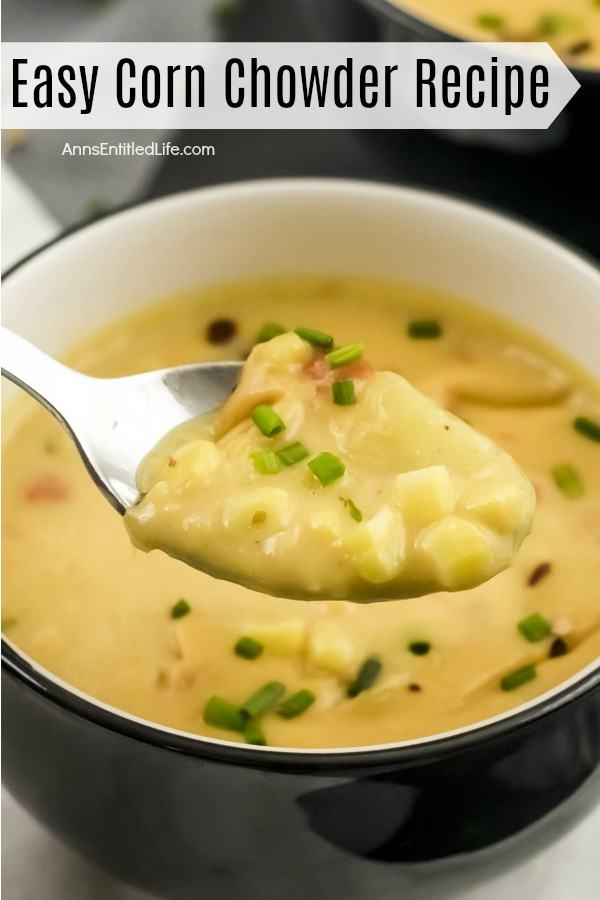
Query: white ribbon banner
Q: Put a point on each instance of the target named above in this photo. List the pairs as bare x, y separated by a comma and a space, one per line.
283, 85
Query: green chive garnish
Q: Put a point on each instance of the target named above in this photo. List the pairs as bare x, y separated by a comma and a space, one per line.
424, 329
296, 704
553, 23
292, 454
490, 21
223, 714
316, 338
365, 677
343, 393
248, 648
266, 462
534, 628
588, 428
8, 622
266, 420
266, 698
518, 678
343, 356
352, 509
269, 331
327, 468
419, 648
253, 734
567, 479
180, 609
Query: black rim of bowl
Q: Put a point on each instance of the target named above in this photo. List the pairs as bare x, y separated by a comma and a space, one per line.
432, 32
283, 759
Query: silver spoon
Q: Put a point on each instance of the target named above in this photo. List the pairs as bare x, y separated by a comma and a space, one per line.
115, 422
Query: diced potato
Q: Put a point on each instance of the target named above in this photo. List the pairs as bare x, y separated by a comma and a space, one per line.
287, 349
270, 507
378, 546
329, 648
502, 505
425, 495
459, 551
282, 638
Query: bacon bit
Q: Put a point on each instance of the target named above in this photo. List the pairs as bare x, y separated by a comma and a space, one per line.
171, 462
359, 369
47, 487
540, 572
318, 369
580, 47
558, 647
221, 331
561, 626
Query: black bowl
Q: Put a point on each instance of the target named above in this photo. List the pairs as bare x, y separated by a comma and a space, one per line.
186, 817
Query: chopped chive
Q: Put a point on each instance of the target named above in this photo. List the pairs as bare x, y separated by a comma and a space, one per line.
248, 648
269, 331
343, 393
180, 609
567, 479
8, 622
424, 329
327, 468
253, 734
292, 454
587, 427
366, 676
518, 678
552, 24
266, 420
264, 699
296, 704
352, 509
223, 714
558, 647
343, 356
419, 648
534, 628
490, 21
316, 338
266, 462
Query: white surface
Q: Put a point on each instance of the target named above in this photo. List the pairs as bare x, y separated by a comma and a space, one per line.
37, 867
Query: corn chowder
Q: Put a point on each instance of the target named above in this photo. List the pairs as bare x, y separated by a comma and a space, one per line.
321, 478
156, 638
572, 27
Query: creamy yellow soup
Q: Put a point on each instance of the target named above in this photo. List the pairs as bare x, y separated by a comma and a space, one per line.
152, 636
572, 27
321, 478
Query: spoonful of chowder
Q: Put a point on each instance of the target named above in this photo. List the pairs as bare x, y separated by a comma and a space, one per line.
321, 477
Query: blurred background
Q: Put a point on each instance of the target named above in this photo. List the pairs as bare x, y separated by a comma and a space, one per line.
548, 178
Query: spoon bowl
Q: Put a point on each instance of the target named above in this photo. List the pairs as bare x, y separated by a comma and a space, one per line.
115, 422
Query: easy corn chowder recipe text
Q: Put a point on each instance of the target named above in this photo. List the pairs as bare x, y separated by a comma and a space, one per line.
159, 639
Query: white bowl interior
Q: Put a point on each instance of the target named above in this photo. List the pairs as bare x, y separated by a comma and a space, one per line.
306, 227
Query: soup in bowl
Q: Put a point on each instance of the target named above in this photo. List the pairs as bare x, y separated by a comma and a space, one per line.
177, 686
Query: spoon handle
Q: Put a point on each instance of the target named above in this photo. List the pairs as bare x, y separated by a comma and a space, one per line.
37, 373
